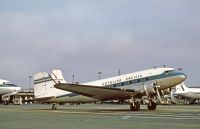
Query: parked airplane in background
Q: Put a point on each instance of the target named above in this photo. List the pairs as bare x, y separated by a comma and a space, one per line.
133, 86
7, 89
182, 92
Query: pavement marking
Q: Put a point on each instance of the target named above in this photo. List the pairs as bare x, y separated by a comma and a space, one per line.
126, 116
173, 118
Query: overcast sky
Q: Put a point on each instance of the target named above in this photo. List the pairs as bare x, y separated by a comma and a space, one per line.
83, 37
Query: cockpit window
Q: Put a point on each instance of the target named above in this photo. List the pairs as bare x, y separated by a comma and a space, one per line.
8, 85
166, 72
169, 71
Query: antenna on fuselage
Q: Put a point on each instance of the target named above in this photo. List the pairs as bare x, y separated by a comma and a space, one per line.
154, 67
119, 72
99, 75
164, 66
179, 69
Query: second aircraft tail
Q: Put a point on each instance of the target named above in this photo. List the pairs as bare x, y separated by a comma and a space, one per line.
44, 84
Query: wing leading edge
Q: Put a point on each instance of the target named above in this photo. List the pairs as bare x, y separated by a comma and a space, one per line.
100, 93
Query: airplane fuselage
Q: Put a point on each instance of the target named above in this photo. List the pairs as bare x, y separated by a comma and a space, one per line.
6, 87
143, 81
193, 93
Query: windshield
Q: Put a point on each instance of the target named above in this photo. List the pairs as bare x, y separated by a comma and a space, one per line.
8, 85
169, 71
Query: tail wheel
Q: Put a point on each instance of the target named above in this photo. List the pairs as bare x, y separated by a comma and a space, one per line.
5, 102
135, 106
152, 105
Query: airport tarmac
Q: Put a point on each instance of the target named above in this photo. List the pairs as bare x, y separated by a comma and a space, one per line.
99, 116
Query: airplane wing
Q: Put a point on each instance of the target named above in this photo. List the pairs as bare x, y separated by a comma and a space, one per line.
100, 93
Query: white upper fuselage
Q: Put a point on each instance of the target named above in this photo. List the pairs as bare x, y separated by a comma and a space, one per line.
6, 87
164, 77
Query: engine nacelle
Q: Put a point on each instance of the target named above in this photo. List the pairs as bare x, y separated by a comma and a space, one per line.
166, 91
151, 91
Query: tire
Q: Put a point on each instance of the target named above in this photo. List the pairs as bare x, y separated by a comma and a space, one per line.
5, 102
152, 106
135, 106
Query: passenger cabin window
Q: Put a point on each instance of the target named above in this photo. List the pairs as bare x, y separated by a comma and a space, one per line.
166, 72
138, 80
146, 79
122, 84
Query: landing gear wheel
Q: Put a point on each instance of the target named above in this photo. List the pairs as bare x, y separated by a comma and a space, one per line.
54, 107
152, 105
135, 106
5, 102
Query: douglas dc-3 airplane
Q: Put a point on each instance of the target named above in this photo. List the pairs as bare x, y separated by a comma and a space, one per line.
133, 87
7, 89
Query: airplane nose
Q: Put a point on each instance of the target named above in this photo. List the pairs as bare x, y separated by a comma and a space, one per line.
182, 77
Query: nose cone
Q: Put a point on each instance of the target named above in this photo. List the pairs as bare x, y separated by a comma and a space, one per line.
181, 77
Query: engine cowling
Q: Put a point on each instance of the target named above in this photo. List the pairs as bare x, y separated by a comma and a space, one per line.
166, 91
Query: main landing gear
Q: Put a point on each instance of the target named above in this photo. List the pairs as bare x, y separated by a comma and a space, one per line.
135, 105
151, 105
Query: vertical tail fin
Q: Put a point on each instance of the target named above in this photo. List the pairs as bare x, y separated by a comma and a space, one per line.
181, 88
44, 84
